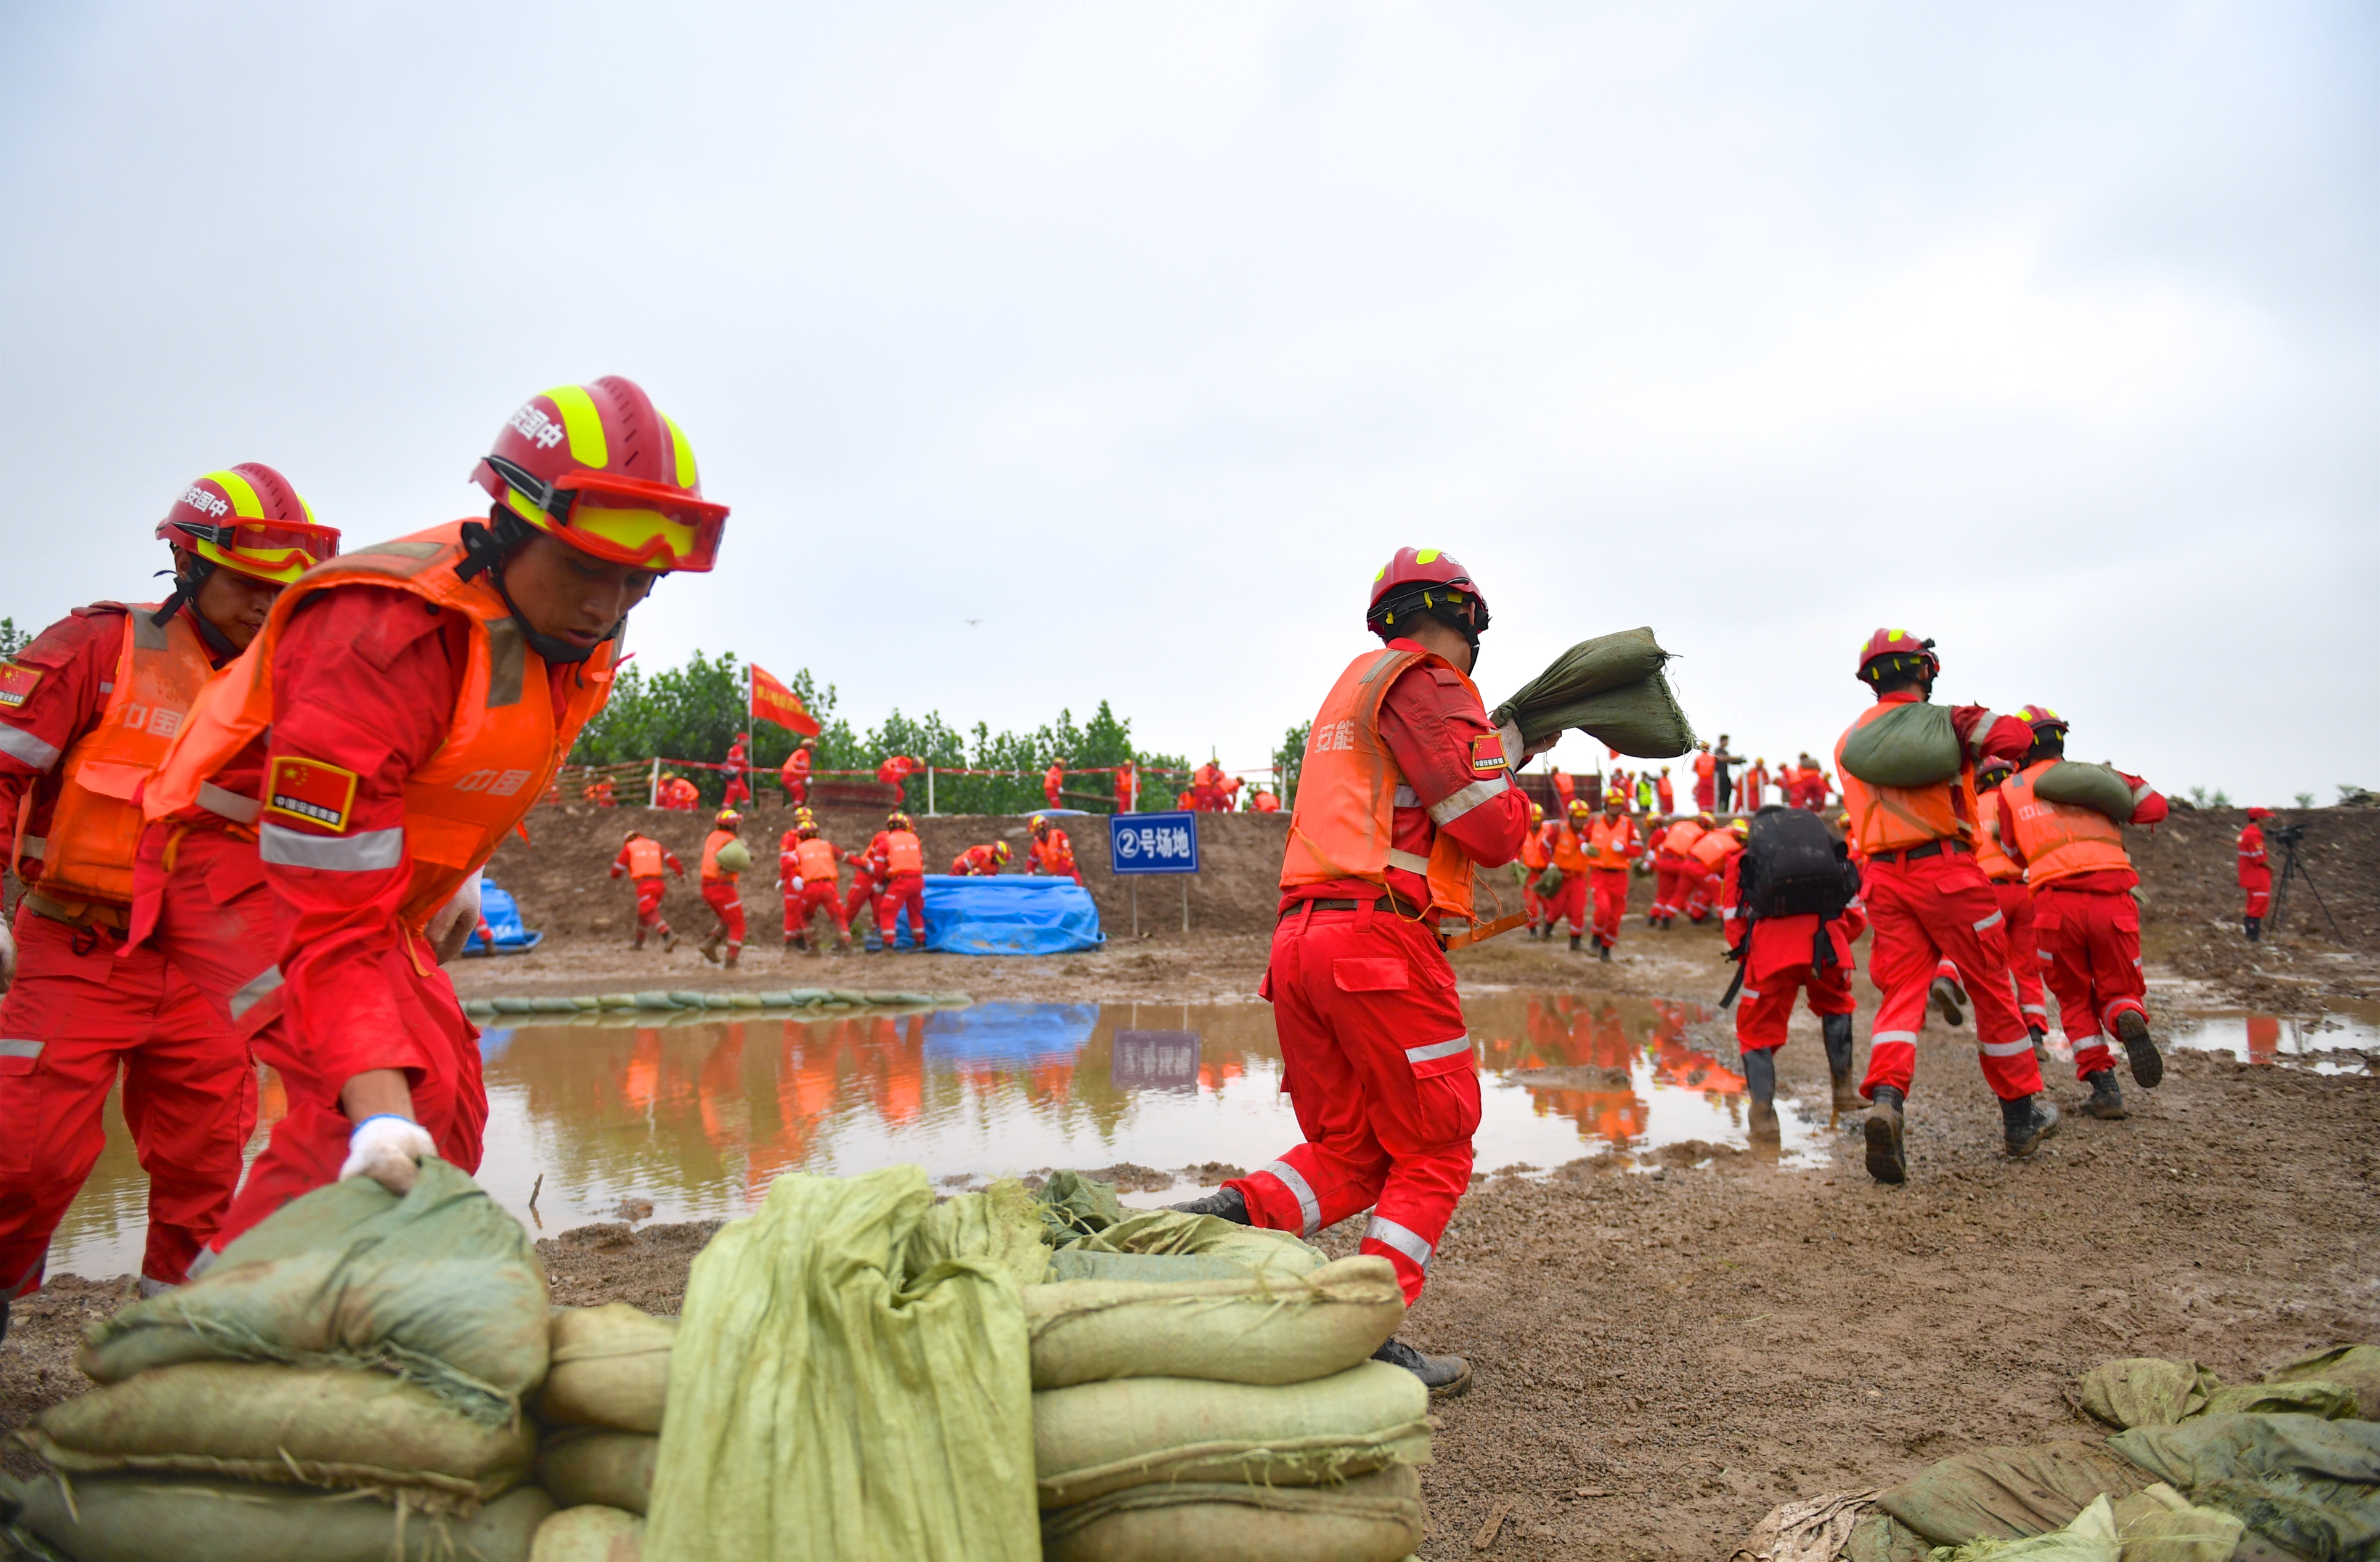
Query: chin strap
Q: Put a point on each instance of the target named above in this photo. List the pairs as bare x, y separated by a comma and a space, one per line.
186, 590
485, 549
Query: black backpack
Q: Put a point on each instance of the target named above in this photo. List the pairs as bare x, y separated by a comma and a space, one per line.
1794, 866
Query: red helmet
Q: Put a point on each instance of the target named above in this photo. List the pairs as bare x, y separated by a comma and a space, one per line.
2041, 719
728, 818
1420, 578
602, 468
898, 821
247, 518
1898, 642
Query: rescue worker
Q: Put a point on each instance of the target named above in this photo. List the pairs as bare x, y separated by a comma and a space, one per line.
1781, 956
794, 775
981, 862
600, 793
1812, 785
1756, 786
1612, 847
1127, 788
738, 794
398, 717
1706, 779
1664, 796
1052, 853
1207, 793
811, 872
1264, 803
1926, 899
1053, 782
724, 858
1673, 868
2016, 904
87, 710
905, 883
1533, 862
2255, 874
2084, 915
1376, 1054
867, 875
1706, 878
1565, 843
677, 794
895, 773
1723, 774
644, 859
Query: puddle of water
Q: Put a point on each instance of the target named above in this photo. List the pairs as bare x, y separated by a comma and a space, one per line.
699, 1117
2336, 1043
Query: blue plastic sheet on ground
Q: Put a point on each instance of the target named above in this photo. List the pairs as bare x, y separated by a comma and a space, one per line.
1015, 914
1016, 1033
502, 913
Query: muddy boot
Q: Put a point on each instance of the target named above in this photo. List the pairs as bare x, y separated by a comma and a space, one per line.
2132, 1029
640, 939
1887, 1149
1946, 997
843, 943
1225, 1204
2253, 926
709, 948
2027, 1121
1603, 951
1573, 943
2040, 1046
1446, 1376
1837, 1029
2107, 1101
733, 952
1760, 1079
669, 940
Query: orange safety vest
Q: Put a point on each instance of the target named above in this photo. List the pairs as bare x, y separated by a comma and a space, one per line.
1683, 836
814, 860
1997, 865
1713, 847
94, 825
1704, 765
1569, 854
1055, 853
1533, 852
904, 853
645, 857
711, 846
1608, 841
1346, 793
2060, 840
499, 755
1893, 818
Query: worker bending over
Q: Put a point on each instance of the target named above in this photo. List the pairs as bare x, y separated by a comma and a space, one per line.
794, 775
981, 862
644, 859
1670, 845
1052, 853
724, 858
811, 871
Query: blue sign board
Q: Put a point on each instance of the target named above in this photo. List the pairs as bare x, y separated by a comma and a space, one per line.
1153, 842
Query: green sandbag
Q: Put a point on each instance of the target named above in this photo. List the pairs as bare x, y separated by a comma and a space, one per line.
592, 1464
2146, 1391
776, 1000
2310, 1395
1206, 1236
1251, 1329
2355, 1367
1075, 1205
591, 1534
1911, 745
802, 998
514, 1005
2006, 1494
719, 1001
735, 857
1374, 1518
1083, 1266
2096, 787
320, 1426
2159, 1524
686, 997
651, 1002
825, 1401
609, 1368
1100, 1437
1611, 688
2090, 1536
2306, 1484
141, 1518
586, 1005
441, 1287
1549, 884
554, 1006
618, 1001
997, 1227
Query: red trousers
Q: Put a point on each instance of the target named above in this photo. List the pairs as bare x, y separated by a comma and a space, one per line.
1533, 905
2257, 886
1569, 901
736, 793
2024, 954
1705, 793
76, 1015
649, 904
1379, 1067
1768, 1006
903, 889
1669, 885
862, 897
1611, 885
210, 915
2091, 952
810, 900
1702, 891
1924, 911
728, 901
797, 792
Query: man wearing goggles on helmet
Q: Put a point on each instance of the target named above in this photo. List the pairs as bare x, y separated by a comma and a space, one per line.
401, 710
87, 712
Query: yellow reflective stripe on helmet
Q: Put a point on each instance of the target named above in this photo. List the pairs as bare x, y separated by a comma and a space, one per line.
244, 503
681, 453
583, 424
1426, 556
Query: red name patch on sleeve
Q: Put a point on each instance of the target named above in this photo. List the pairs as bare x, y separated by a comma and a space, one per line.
319, 795
1487, 753
17, 684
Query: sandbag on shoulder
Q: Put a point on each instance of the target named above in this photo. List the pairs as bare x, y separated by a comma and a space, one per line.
589, 1534
594, 1464
1256, 1329
324, 1426
1911, 744
441, 1287
2096, 787
1100, 1437
609, 1368
147, 1518
1252, 1248
1374, 1518
1610, 687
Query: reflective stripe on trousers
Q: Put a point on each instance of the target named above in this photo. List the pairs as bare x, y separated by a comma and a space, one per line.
1307, 1205
1389, 1234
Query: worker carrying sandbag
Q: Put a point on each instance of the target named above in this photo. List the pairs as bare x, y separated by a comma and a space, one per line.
2016, 904
1564, 844
1405, 787
724, 858
809, 870
1790, 911
2063, 824
87, 710
380, 744
1613, 846
643, 860
1911, 802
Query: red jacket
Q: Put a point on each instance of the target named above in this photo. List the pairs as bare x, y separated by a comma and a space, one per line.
1780, 943
975, 862
2255, 871
669, 860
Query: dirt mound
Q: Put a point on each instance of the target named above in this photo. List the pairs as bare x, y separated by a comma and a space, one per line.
2191, 901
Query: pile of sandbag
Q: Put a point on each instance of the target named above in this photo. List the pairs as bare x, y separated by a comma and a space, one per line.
600, 1418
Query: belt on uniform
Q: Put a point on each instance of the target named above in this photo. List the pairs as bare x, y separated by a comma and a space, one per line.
1395, 904
1931, 849
78, 913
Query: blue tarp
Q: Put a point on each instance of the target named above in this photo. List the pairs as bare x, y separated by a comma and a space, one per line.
1008, 1033
502, 913
1014, 914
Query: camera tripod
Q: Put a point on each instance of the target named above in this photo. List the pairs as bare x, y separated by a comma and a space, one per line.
2292, 869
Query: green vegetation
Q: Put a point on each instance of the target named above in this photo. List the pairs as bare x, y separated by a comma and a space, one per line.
12, 639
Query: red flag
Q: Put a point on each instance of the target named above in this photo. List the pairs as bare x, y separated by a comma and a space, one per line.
771, 701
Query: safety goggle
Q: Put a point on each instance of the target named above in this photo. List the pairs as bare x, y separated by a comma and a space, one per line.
623, 520
273, 551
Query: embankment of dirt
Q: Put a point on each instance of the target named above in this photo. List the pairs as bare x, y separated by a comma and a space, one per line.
2189, 884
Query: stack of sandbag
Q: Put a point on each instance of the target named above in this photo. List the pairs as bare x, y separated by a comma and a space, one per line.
1612, 689
1236, 1418
346, 1382
599, 1419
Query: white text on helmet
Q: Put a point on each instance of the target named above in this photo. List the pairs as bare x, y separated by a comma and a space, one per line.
197, 498
535, 425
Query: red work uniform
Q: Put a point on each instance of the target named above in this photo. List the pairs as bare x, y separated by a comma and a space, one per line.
737, 767
1405, 788
1706, 782
811, 869
1672, 868
2255, 872
1126, 793
86, 711
1612, 845
905, 887
1786, 958
868, 873
1567, 851
1927, 900
1265, 803
1664, 796
1534, 861
2016, 904
895, 773
795, 775
1706, 878
1756, 786
1054, 781
404, 730
719, 889
977, 861
643, 860
2083, 914
1814, 789
1054, 855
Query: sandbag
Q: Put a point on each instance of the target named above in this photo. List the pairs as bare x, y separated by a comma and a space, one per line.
594, 1464
441, 1287
1207, 1236
589, 1534
2159, 1524
1255, 1329
2096, 787
1911, 744
2090, 1536
1610, 687
144, 1519
1549, 884
1374, 1518
2146, 1391
2306, 1484
1075, 1265
323, 1426
2006, 1494
1100, 1437
2354, 1367
2312, 1396
609, 1368
1001, 1225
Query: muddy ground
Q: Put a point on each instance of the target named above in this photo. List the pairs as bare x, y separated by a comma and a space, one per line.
1663, 1355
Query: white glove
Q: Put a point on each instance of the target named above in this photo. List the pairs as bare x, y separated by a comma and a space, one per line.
388, 1149
7, 955
452, 925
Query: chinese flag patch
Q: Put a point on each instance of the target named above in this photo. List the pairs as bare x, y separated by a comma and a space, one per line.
17, 684
1487, 753
307, 789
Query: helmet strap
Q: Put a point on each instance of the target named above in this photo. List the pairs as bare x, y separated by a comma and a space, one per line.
488, 548
187, 582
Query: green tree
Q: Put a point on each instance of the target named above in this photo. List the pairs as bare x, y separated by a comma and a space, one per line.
1290, 758
12, 639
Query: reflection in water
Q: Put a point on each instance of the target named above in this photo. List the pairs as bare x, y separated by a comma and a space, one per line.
700, 1116
2335, 1043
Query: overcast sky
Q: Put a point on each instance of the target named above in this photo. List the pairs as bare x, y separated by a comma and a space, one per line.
1054, 353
